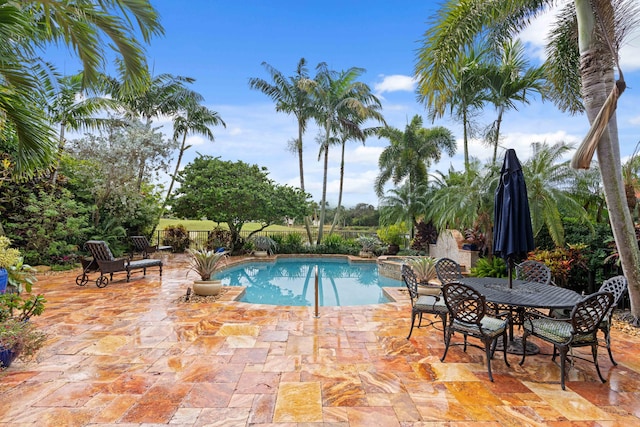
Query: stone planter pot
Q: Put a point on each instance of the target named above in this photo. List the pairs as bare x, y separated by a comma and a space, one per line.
260, 254
207, 287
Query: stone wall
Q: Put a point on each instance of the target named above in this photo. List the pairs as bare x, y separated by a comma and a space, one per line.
449, 245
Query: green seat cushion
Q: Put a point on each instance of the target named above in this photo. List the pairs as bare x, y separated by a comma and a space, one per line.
555, 331
491, 326
431, 303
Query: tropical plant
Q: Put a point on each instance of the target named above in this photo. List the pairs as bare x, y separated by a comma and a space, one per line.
14, 306
290, 97
424, 268
511, 80
22, 276
177, 237
22, 338
489, 267
206, 262
84, 27
368, 243
264, 243
8, 256
192, 118
392, 234
459, 83
338, 99
583, 59
410, 154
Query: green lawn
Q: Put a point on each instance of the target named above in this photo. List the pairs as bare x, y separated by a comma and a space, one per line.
199, 225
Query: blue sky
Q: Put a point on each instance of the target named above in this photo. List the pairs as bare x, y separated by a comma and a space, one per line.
223, 43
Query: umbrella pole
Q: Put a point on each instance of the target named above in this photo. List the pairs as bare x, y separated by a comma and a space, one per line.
510, 271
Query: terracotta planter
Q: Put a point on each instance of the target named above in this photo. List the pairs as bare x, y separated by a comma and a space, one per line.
207, 288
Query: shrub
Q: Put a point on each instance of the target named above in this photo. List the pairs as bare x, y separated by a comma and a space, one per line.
176, 236
489, 267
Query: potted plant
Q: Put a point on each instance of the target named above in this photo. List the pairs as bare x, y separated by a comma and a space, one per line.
264, 245
368, 245
424, 268
206, 263
8, 258
19, 339
18, 336
392, 236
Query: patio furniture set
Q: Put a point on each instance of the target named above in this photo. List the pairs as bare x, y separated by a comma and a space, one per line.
488, 308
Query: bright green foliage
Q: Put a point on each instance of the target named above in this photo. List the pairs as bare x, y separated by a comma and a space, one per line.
393, 234
235, 193
490, 267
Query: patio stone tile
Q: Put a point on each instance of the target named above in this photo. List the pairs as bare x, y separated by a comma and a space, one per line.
130, 354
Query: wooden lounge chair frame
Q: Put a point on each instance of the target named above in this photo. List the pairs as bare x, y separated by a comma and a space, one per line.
104, 261
141, 244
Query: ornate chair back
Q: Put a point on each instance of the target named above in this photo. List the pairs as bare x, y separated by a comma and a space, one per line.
533, 271
448, 270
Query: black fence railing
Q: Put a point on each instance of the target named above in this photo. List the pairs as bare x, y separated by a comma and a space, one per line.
200, 237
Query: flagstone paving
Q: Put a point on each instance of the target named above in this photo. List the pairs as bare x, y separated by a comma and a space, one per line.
131, 354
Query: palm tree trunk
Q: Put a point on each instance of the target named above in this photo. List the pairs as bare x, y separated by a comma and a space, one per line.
497, 140
465, 140
323, 203
54, 173
336, 216
307, 224
597, 81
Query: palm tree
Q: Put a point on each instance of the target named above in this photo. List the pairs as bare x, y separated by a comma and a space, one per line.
357, 133
462, 87
290, 98
510, 80
164, 94
584, 50
464, 199
337, 99
28, 25
73, 109
410, 153
548, 179
192, 119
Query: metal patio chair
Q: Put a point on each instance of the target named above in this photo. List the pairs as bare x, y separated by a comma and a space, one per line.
579, 330
420, 304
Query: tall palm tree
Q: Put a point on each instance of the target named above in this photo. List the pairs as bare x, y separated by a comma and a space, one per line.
410, 153
290, 97
355, 132
337, 98
75, 109
462, 87
510, 81
26, 26
583, 60
192, 119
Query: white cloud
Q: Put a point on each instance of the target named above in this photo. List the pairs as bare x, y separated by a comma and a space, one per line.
395, 83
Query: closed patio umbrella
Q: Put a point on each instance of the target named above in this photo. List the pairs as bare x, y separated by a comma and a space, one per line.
512, 231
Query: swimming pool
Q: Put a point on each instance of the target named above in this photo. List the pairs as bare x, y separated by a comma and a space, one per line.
291, 281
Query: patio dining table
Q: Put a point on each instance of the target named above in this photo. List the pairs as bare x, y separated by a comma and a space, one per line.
520, 296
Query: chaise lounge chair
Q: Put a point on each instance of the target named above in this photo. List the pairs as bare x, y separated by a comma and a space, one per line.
141, 244
106, 263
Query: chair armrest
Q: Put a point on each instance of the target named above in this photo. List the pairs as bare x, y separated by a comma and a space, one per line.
116, 265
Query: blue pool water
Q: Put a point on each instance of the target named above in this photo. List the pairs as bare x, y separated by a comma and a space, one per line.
291, 281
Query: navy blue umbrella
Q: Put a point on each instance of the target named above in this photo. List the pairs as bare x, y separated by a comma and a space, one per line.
512, 231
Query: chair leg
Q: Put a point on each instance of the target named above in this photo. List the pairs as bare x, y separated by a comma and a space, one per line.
447, 340
563, 362
504, 347
594, 353
487, 350
607, 339
524, 346
443, 317
413, 318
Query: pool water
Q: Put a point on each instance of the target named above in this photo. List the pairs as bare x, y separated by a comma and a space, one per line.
291, 281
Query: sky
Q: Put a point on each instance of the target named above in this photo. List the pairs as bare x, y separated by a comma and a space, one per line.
222, 44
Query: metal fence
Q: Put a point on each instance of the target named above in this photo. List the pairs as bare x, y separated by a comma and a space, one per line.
200, 237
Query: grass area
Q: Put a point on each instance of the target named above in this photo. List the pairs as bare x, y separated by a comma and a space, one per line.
200, 225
